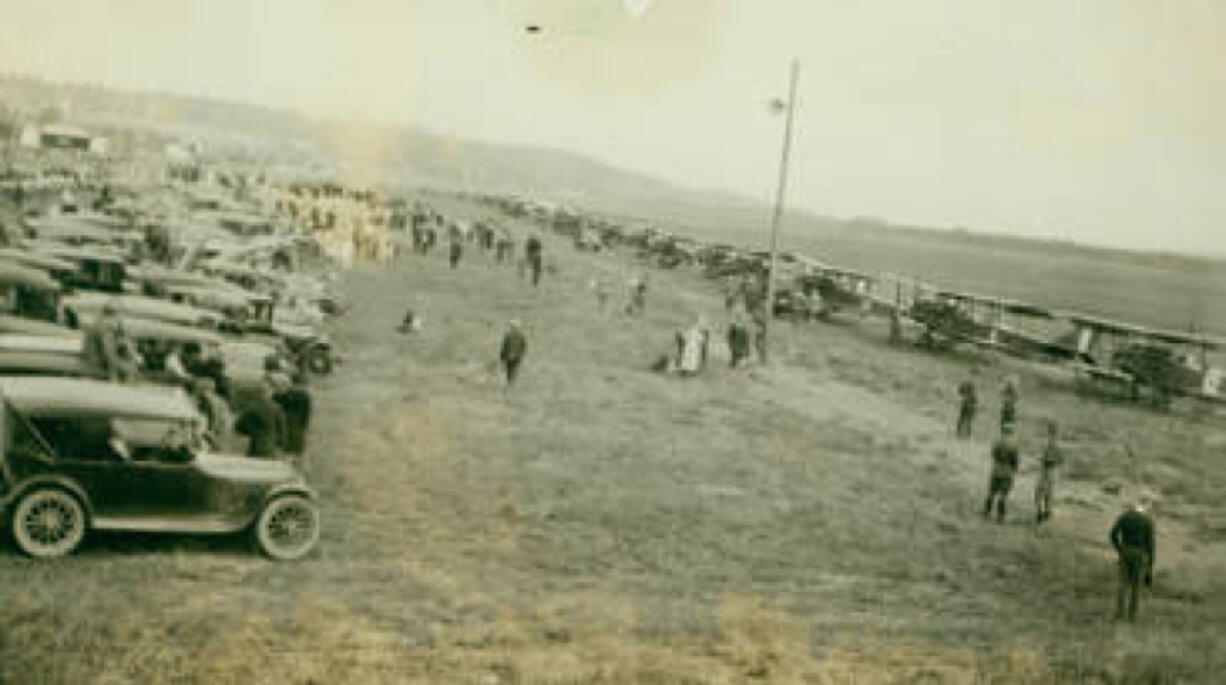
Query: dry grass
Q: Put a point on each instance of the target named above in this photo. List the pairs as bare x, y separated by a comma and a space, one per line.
812, 522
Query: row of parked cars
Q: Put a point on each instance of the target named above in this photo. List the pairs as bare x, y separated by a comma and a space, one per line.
79, 453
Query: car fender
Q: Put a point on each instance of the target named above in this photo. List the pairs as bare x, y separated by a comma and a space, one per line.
290, 489
48, 481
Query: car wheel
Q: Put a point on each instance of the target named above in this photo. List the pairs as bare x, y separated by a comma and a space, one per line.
319, 361
48, 522
288, 528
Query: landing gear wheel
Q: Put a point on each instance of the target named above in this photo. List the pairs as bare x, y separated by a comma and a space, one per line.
48, 522
288, 528
319, 362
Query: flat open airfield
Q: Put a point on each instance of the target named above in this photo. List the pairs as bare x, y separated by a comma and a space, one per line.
809, 521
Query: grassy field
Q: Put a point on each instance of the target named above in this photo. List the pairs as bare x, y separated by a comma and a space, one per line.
809, 521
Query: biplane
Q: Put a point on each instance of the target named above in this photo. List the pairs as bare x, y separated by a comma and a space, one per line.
947, 318
831, 289
1140, 363
950, 317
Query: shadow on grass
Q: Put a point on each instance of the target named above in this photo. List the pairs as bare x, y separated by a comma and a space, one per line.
101, 544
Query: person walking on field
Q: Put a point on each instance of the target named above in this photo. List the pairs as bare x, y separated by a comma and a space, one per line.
966, 409
514, 348
738, 343
1008, 403
456, 251
1052, 458
1004, 467
532, 252
601, 289
638, 294
1133, 537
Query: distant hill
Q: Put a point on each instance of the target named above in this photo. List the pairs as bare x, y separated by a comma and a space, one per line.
407, 156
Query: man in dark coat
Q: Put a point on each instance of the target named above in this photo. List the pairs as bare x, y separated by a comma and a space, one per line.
532, 252
455, 252
966, 408
738, 343
295, 403
1133, 538
263, 423
514, 348
1004, 467
102, 341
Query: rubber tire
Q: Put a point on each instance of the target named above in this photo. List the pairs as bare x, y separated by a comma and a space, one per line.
319, 362
68, 503
262, 537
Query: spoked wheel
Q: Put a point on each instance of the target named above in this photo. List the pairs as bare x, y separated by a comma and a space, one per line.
288, 528
319, 362
48, 523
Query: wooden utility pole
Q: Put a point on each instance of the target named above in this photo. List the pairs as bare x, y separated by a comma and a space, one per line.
780, 193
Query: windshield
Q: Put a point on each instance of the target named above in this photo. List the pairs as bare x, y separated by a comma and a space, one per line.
22, 439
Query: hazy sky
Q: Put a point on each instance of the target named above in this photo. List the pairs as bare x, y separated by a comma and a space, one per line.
1098, 120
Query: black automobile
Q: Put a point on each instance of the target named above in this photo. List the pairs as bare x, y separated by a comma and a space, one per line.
82, 455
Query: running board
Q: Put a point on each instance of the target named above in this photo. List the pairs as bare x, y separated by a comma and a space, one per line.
192, 525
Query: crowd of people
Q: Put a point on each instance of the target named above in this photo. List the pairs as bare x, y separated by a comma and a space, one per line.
272, 419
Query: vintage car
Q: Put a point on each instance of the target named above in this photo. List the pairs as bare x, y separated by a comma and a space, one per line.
80, 309
28, 291
35, 260
97, 268
81, 455
22, 342
45, 363
22, 325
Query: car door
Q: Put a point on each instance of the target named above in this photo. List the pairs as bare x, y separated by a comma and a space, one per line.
160, 480
82, 453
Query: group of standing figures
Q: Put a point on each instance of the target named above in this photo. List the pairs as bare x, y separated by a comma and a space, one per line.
1133, 533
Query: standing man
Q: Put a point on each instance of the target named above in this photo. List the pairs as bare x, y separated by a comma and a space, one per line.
216, 411
295, 402
732, 292
738, 342
1133, 538
966, 409
503, 247
1052, 457
1008, 403
455, 251
638, 294
895, 328
102, 343
532, 251
759, 334
263, 423
514, 347
601, 288
1004, 467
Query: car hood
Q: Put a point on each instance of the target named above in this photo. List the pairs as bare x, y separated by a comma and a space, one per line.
236, 468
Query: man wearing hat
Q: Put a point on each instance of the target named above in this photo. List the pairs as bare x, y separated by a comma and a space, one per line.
1132, 536
102, 343
215, 409
263, 422
295, 403
1052, 458
514, 348
1004, 467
